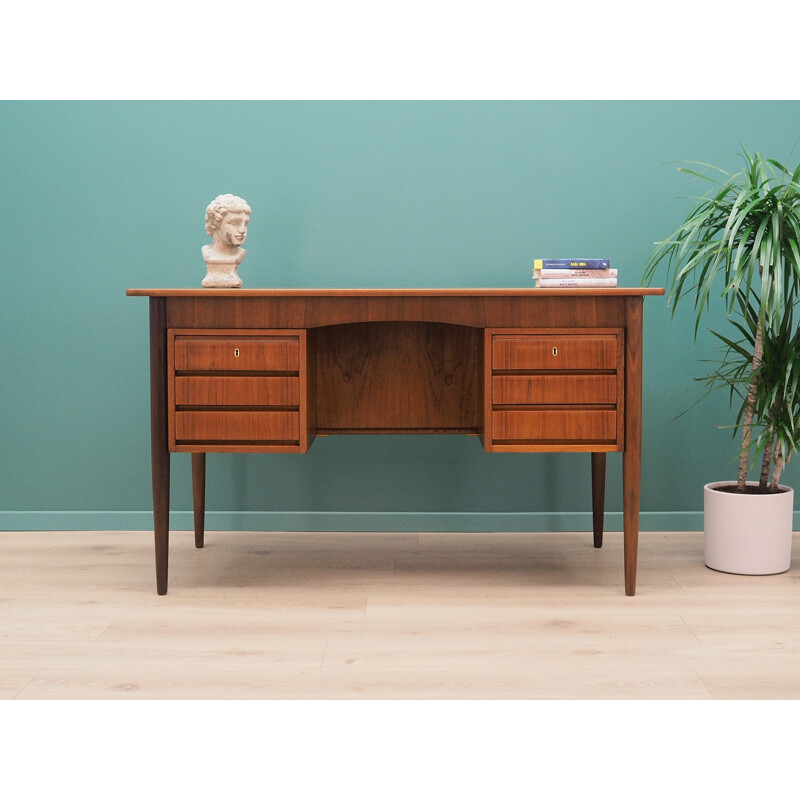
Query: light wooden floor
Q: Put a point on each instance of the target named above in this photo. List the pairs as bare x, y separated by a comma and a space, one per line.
389, 615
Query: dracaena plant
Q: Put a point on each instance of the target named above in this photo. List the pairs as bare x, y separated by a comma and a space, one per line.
741, 243
775, 404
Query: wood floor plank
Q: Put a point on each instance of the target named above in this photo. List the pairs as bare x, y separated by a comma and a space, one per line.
375, 615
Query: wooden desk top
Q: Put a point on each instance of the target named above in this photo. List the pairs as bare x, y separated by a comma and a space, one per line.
428, 360
487, 292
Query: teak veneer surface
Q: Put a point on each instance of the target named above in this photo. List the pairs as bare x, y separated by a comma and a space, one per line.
390, 376
237, 390
311, 308
541, 389
362, 292
266, 370
575, 424
538, 351
237, 426
275, 353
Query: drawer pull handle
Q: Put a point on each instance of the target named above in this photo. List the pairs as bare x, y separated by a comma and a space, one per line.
236, 352
555, 351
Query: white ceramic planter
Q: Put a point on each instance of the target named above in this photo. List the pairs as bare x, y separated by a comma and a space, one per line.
748, 534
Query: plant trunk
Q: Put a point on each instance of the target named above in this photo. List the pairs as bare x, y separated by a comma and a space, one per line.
776, 473
766, 462
749, 409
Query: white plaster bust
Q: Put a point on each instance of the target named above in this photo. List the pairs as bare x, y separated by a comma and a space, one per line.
227, 218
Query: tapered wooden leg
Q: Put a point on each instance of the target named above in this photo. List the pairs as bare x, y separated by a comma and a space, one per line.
632, 456
199, 496
631, 478
161, 518
598, 496
159, 443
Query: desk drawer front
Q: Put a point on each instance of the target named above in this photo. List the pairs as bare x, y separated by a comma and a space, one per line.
237, 426
534, 352
554, 389
253, 353
559, 425
566, 389
237, 390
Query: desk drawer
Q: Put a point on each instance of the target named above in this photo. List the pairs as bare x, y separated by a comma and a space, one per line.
546, 351
558, 425
548, 389
249, 353
237, 390
237, 426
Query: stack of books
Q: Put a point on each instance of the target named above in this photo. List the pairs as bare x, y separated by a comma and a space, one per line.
573, 272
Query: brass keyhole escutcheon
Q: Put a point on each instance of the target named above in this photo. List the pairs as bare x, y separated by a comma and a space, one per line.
555, 351
236, 352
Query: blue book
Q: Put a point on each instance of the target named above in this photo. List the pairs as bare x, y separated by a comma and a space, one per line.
571, 263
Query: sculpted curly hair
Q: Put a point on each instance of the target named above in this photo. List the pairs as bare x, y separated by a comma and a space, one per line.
219, 207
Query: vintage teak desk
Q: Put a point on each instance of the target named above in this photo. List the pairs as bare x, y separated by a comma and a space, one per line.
267, 370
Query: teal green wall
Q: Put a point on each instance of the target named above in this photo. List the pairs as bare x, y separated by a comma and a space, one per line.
101, 196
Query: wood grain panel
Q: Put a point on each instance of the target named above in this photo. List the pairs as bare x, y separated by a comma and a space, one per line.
339, 294
159, 438
237, 426
536, 389
387, 376
528, 352
237, 390
492, 309
402, 360
632, 456
555, 425
276, 353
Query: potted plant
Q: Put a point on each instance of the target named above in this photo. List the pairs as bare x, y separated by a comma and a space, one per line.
741, 242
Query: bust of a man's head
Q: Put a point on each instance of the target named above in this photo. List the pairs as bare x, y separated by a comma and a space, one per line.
227, 217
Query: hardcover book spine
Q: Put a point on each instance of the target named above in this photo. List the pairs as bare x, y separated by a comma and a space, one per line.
575, 273
571, 263
566, 283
